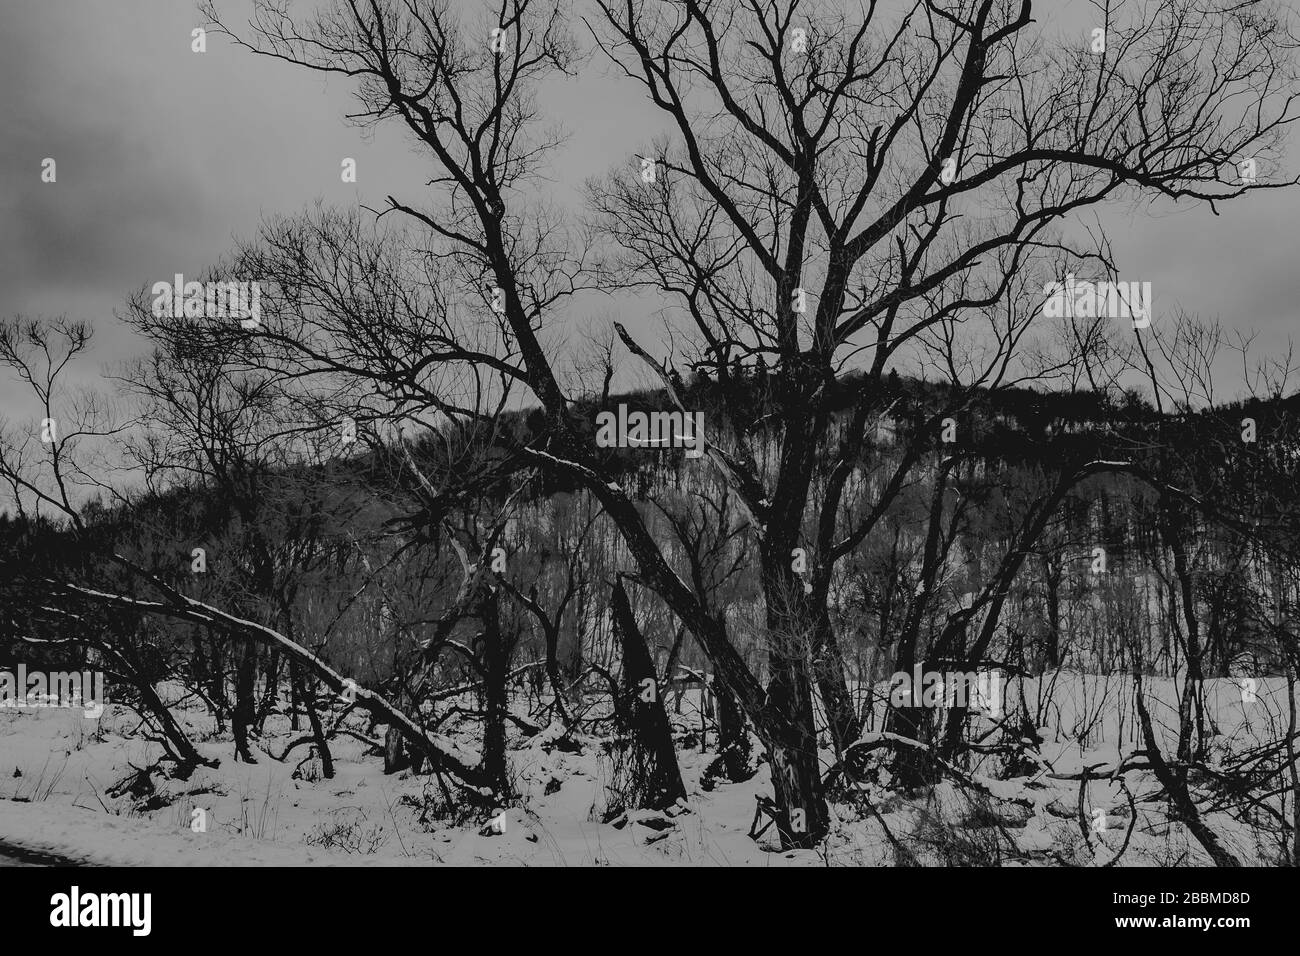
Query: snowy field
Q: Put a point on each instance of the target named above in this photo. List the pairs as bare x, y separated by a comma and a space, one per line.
70, 786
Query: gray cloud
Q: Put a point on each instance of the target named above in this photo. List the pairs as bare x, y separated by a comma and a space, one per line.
163, 155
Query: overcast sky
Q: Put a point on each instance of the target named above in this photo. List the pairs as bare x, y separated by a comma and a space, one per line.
163, 155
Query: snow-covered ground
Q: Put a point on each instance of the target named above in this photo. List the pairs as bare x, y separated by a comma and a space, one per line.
57, 769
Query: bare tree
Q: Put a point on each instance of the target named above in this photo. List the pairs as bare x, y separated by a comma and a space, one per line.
840, 172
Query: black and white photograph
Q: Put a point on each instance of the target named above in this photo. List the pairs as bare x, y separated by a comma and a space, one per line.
760, 434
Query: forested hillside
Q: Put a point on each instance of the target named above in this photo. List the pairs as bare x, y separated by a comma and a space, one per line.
335, 601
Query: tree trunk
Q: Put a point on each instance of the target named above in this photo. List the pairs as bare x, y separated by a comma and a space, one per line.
242, 718
306, 694
441, 759
177, 742
786, 723
1191, 707
496, 664
1182, 807
1291, 761
912, 766
217, 682
733, 736
1052, 581
828, 665
640, 705
395, 756
802, 818
270, 697
553, 671
295, 697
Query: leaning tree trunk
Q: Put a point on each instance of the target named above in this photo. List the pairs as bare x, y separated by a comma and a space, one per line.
175, 739
641, 709
733, 735
1182, 806
177, 605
